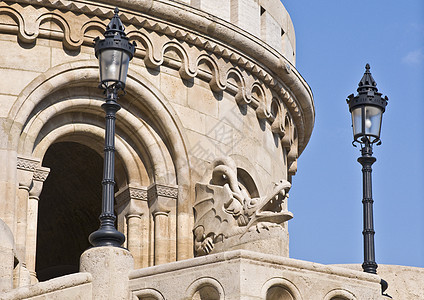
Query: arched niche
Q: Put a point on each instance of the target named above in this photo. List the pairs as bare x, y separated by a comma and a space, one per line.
205, 288
60, 107
279, 288
278, 293
68, 208
339, 294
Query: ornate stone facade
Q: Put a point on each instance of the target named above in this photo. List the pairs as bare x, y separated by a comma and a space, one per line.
214, 118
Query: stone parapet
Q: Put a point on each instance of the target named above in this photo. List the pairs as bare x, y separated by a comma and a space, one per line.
404, 282
243, 274
74, 286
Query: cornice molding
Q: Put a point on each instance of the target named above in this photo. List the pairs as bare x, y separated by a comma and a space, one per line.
41, 174
161, 190
27, 164
131, 193
259, 74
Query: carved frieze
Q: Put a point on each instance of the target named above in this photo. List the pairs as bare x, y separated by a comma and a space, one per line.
27, 164
41, 174
199, 55
162, 190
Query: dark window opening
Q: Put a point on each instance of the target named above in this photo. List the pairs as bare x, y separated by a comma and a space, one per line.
68, 210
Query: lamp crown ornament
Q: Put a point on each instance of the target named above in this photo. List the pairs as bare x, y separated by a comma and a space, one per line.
367, 81
114, 53
115, 24
367, 108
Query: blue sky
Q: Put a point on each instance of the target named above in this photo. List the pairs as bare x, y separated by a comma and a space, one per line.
335, 39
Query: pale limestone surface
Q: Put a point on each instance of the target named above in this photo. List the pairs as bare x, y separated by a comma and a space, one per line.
7, 248
207, 81
250, 275
73, 286
109, 267
404, 282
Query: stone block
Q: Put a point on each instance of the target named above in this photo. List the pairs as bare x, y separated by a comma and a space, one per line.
202, 100
271, 31
59, 55
14, 81
7, 245
219, 131
246, 15
73, 286
36, 59
190, 119
6, 103
174, 89
219, 8
109, 267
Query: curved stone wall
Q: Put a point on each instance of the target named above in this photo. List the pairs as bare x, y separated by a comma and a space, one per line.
265, 19
206, 97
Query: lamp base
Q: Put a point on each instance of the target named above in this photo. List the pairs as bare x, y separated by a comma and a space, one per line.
106, 237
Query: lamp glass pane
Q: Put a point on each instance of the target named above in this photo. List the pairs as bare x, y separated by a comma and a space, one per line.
124, 66
373, 120
357, 121
110, 65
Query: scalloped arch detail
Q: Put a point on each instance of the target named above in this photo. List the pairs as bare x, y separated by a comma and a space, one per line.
156, 39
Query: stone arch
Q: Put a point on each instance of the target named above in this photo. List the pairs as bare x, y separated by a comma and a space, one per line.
68, 208
150, 144
205, 288
148, 294
339, 294
279, 288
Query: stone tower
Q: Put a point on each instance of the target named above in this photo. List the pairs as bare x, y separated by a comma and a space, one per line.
214, 118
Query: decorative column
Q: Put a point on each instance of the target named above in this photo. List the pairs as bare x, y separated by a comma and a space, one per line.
133, 219
25, 170
40, 175
162, 199
161, 237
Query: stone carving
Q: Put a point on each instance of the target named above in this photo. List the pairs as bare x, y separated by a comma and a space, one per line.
167, 191
223, 209
27, 164
41, 174
244, 80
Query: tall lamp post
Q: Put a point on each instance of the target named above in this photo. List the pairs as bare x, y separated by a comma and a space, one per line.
114, 53
367, 109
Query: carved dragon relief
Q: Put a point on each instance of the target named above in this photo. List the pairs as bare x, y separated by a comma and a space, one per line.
224, 209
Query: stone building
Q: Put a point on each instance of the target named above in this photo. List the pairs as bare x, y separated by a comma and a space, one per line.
214, 118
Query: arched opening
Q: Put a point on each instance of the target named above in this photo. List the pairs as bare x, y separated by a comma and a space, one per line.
206, 292
278, 293
68, 210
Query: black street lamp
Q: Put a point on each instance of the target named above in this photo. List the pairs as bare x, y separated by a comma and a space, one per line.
114, 53
367, 110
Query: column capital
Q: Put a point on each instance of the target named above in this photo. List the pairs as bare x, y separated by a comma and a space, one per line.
162, 198
163, 190
40, 175
26, 166
129, 193
27, 163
